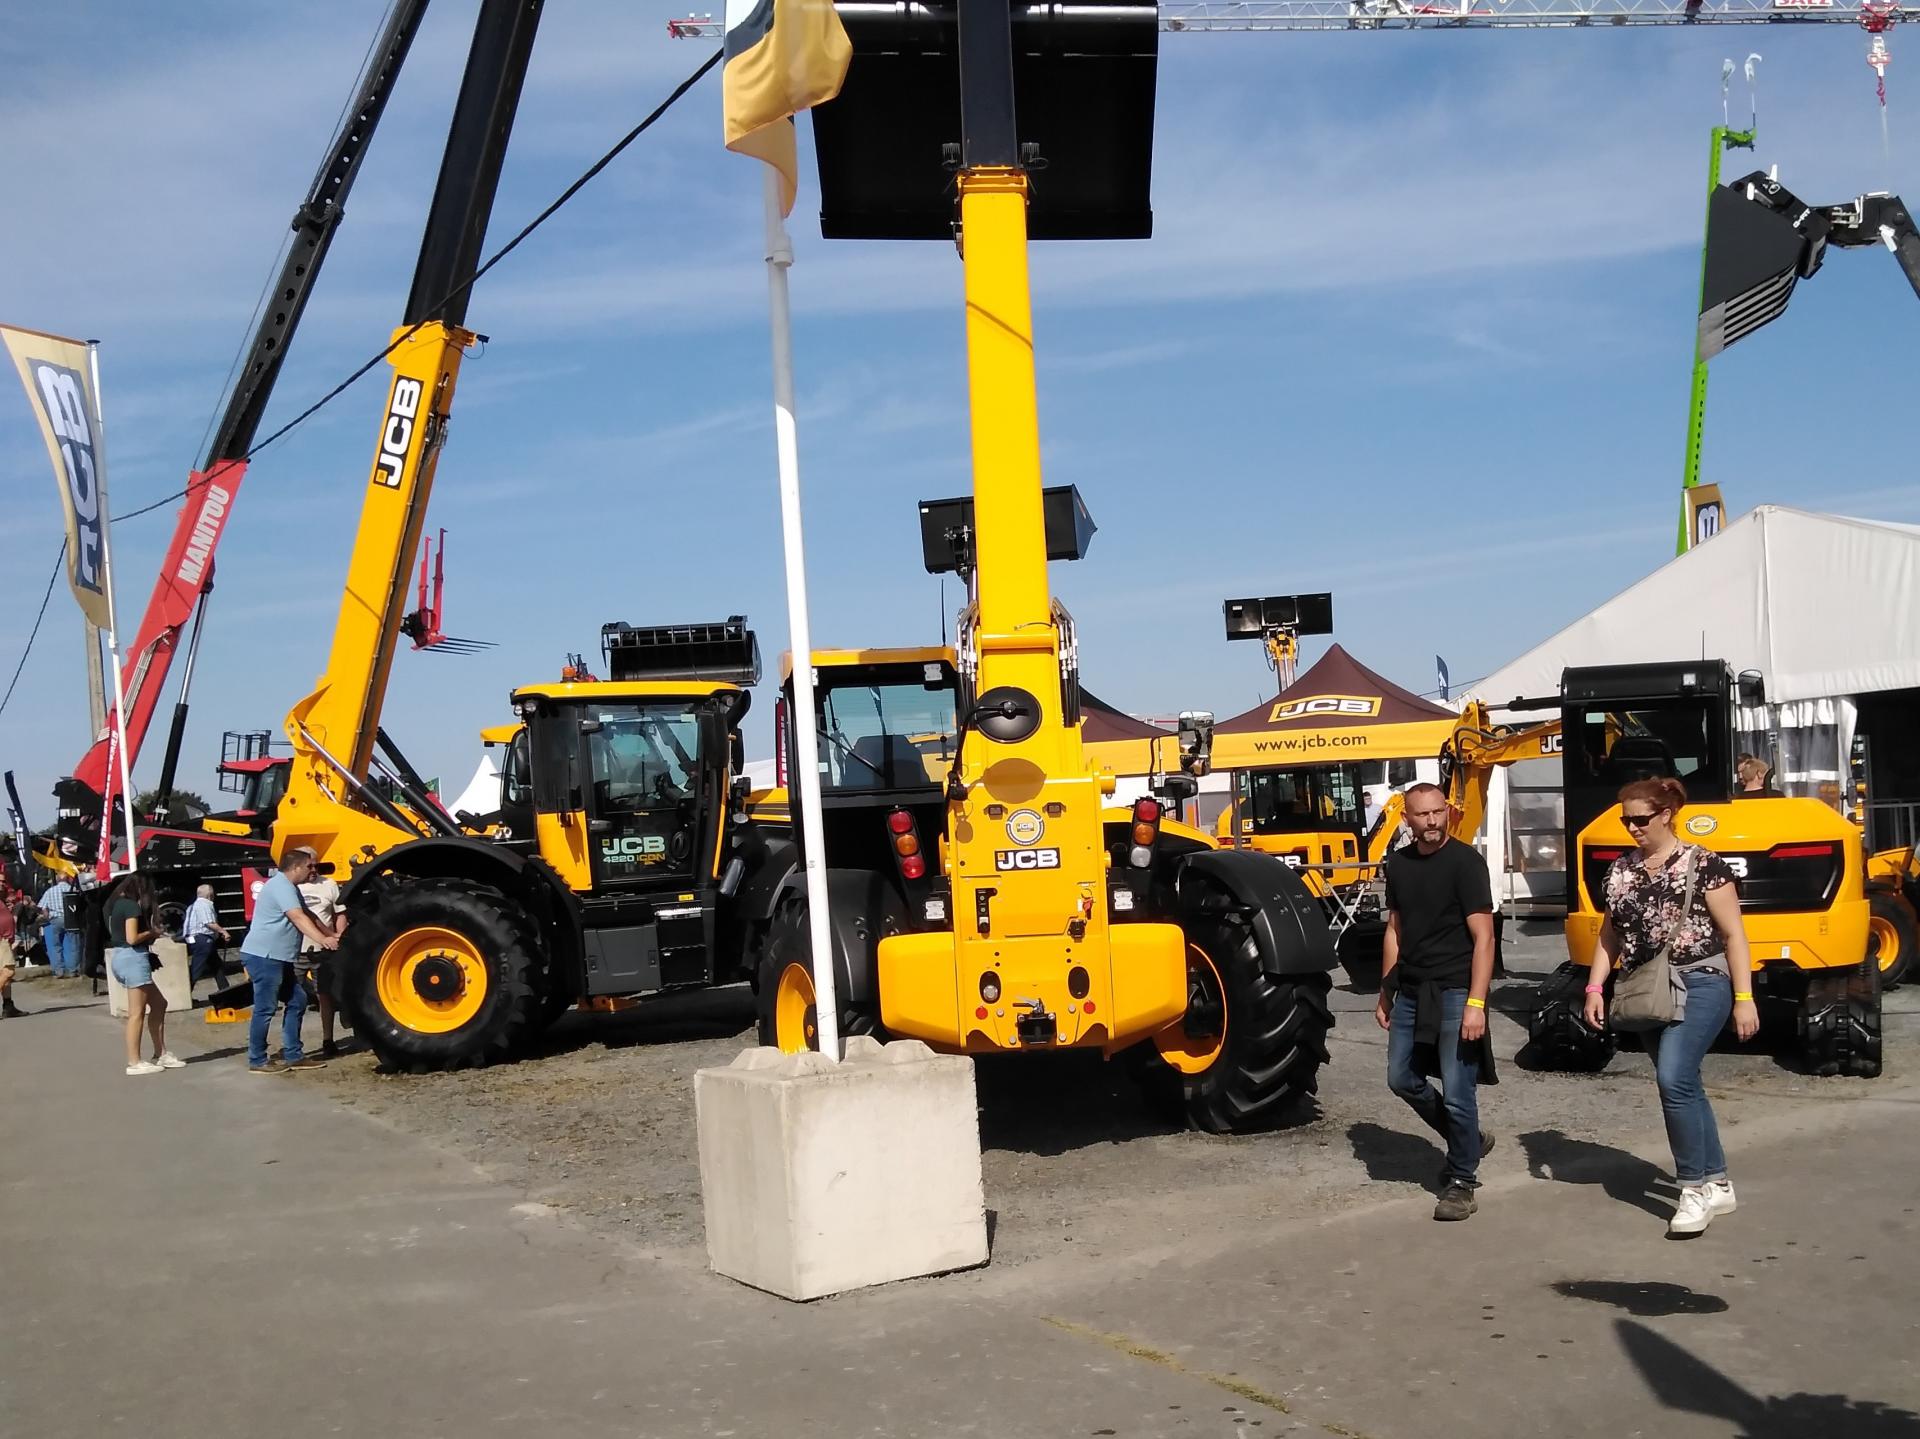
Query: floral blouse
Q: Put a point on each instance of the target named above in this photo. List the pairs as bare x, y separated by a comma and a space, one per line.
1645, 907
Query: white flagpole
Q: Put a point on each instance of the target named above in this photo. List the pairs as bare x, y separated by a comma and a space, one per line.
106, 566
806, 742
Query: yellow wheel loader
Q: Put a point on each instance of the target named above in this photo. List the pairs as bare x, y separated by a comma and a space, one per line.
983, 899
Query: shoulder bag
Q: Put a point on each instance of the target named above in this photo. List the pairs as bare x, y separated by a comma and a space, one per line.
1648, 995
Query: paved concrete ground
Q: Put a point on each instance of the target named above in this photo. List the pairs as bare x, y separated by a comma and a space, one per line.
208, 1253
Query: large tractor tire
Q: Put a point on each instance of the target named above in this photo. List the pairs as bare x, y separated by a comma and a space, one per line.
1253, 1038
784, 994
1840, 1021
1893, 935
440, 974
1558, 1036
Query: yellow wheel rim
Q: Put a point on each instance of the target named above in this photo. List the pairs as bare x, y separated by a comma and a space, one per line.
796, 1023
1196, 1053
1886, 941
431, 980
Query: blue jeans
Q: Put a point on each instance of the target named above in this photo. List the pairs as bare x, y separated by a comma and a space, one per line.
1453, 1110
1677, 1051
272, 982
63, 951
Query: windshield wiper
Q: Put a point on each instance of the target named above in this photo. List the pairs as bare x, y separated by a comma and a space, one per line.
830, 732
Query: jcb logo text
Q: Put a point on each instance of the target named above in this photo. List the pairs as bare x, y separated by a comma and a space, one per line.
1006, 859
1325, 706
630, 847
396, 435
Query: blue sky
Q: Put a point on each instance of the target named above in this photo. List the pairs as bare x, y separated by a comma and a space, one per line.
1414, 327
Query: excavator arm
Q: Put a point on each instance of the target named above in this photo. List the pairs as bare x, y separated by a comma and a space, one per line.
1475, 750
1762, 239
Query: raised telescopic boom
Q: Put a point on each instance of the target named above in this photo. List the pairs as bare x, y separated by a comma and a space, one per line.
328, 803
186, 573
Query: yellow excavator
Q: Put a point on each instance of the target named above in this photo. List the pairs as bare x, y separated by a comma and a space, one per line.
983, 898
604, 875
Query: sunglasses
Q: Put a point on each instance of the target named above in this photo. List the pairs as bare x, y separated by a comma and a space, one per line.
1638, 821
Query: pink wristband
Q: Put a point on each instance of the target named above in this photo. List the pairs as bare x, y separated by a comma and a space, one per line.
1596, 989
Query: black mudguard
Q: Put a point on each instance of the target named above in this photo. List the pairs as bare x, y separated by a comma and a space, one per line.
865, 906
1287, 921
772, 862
444, 857
528, 879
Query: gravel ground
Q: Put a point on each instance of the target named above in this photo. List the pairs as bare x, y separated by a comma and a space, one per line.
598, 1123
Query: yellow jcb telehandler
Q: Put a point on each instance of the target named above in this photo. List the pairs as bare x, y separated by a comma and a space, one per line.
605, 874
983, 899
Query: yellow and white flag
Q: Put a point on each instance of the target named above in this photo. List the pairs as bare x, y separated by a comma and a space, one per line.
783, 56
56, 373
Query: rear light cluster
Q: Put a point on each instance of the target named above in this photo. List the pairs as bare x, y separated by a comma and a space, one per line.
1146, 831
1789, 877
906, 845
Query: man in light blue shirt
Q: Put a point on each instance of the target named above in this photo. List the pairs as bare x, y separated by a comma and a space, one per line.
204, 935
63, 944
269, 951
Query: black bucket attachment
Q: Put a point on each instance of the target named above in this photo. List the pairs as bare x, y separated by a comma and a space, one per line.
946, 529
1760, 242
725, 653
1301, 614
1083, 97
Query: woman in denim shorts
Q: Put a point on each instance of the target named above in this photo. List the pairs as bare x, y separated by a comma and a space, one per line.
131, 933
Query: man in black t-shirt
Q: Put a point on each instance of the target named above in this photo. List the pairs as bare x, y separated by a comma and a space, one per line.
1437, 965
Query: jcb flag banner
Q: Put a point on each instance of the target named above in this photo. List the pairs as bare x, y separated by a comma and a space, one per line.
55, 372
783, 56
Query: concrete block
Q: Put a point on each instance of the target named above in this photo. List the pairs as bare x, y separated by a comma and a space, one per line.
819, 1177
173, 977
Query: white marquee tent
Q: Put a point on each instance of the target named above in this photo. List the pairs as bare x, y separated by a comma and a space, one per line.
1821, 605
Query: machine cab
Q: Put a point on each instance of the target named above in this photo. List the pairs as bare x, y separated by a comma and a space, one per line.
627, 779
887, 722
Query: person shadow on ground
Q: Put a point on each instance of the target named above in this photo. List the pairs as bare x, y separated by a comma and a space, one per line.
1395, 1157
1688, 1384
1622, 1176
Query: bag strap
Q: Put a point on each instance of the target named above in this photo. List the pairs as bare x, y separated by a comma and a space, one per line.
1693, 875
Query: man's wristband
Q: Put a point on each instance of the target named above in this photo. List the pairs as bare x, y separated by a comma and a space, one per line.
1473, 1003
1596, 989
1748, 996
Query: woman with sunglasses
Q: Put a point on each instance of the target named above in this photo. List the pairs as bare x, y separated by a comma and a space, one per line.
1646, 892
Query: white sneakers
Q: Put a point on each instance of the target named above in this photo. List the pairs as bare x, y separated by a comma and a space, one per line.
169, 1060
1699, 1203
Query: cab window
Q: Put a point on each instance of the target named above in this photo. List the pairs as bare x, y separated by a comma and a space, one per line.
643, 757
897, 735
515, 785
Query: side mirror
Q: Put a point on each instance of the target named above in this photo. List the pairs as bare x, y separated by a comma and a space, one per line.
1751, 687
1196, 742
